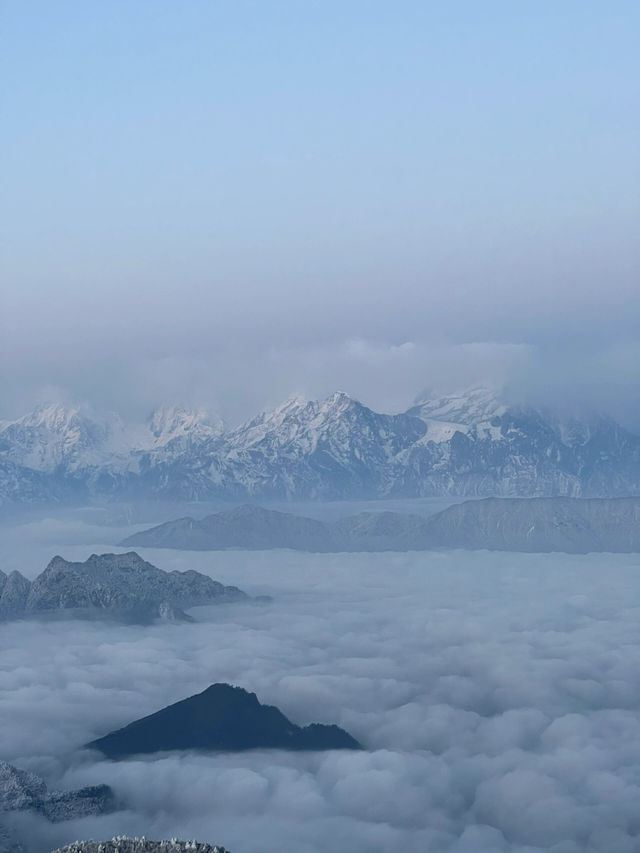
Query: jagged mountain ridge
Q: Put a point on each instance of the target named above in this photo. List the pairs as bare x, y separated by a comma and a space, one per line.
123, 586
465, 445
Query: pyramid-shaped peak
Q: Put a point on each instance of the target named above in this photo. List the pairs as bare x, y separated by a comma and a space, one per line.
56, 562
339, 400
340, 397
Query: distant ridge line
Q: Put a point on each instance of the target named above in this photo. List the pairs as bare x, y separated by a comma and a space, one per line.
571, 525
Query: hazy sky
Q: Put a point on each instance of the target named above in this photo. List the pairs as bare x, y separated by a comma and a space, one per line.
227, 202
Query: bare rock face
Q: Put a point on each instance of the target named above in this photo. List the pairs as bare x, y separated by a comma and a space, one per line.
24, 791
121, 844
120, 585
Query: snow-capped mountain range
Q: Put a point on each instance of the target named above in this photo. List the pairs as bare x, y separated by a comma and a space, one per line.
471, 444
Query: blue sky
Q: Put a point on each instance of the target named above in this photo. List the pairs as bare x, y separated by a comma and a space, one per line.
207, 182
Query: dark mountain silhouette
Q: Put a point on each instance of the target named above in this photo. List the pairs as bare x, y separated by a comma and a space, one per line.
221, 718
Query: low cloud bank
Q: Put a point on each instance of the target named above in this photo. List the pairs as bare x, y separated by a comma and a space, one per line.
497, 696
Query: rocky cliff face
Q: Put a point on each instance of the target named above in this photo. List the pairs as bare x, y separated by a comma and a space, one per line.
120, 585
470, 444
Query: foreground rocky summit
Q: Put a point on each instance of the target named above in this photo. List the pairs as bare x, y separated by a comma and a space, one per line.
472, 444
573, 525
221, 718
119, 585
122, 844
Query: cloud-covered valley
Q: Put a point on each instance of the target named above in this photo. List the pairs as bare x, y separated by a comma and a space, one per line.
497, 696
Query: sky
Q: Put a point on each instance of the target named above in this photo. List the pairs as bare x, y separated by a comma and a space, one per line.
496, 696
222, 203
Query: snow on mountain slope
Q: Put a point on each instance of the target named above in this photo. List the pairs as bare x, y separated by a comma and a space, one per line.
466, 444
53, 435
329, 449
76, 442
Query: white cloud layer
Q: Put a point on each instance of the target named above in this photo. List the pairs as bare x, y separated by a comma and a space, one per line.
497, 696
238, 376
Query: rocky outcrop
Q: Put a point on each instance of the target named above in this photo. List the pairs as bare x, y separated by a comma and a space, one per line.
221, 718
123, 586
23, 791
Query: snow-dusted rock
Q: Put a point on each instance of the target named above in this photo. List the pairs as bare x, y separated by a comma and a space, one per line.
23, 791
122, 844
119, 585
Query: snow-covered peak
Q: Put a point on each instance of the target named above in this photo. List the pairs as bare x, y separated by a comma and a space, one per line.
170, 422
293, 414
291, 406
51, 434
336, 403
54, 417
272, 420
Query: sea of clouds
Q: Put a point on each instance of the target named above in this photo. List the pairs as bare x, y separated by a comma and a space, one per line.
497, 696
